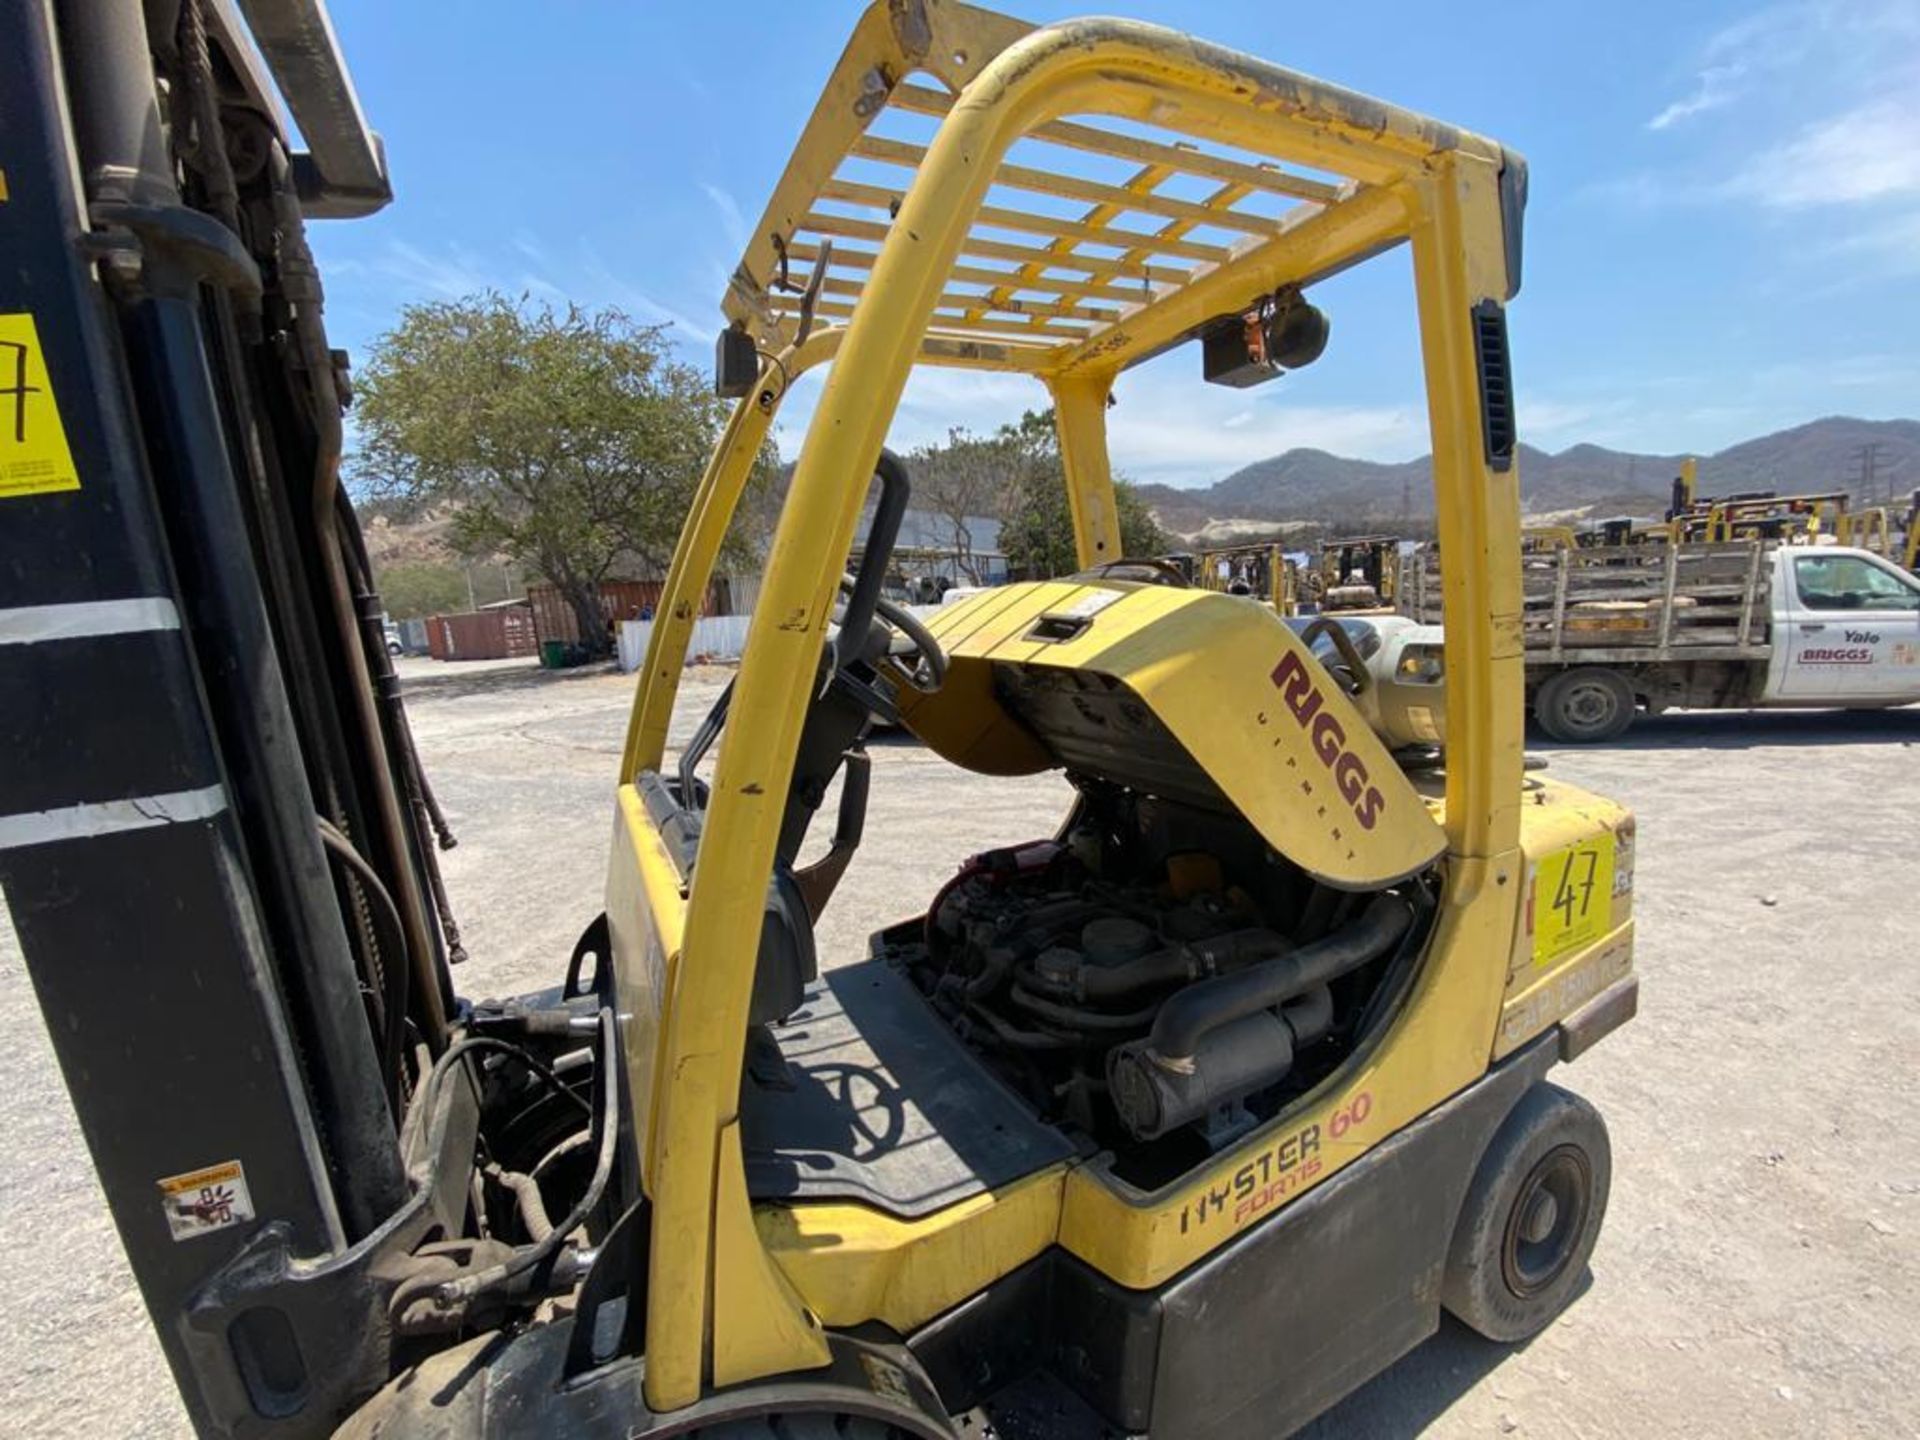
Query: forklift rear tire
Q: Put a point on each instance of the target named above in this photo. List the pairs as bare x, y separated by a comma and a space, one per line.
1585, 706
1528, 1227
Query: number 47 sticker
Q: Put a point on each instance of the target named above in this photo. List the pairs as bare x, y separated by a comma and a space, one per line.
1572, 899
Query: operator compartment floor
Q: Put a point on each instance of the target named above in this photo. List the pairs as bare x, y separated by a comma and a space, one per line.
879, 1103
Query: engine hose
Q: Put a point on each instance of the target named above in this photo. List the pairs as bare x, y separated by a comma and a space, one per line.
1017, 1038
994, 964
1106, 982
1189, 1015
1074, 1018
1181, 962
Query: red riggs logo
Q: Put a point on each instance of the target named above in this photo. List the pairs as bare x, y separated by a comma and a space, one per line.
1328, 737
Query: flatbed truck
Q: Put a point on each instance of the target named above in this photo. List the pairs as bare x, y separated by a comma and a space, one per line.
1615, 631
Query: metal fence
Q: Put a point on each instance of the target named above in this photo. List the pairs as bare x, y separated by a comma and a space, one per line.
718, 638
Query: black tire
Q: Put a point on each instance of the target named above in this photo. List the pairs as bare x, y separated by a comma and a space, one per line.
1524, 1236
1585, 706
817, 1425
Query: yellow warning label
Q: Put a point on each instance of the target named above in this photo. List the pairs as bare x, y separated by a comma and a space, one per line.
204, 1200
1572, 898
34, 457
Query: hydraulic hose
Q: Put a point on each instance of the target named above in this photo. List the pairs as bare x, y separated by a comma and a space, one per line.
300, 278
393, 970
607, 1130
1191, 1014
527, 1199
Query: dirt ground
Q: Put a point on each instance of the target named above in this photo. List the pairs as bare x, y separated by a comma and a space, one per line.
1760, 1270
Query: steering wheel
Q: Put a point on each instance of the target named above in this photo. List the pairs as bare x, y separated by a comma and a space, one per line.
872, 632
1351, 672
898, 634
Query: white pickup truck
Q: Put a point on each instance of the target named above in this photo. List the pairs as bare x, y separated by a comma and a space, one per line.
1613, 631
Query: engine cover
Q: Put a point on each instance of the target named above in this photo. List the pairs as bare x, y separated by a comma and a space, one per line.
1184, 694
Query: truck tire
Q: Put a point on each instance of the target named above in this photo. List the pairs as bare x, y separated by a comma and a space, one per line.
1531, 1217
1585, 706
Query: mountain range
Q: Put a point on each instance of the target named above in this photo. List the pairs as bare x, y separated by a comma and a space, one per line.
1585, 481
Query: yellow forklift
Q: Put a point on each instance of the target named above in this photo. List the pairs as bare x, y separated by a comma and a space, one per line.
1360, 574
1872, 529
1547, 539
1182, 1118
1263, 571
1752, 515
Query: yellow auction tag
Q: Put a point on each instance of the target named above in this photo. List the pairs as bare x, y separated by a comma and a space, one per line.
34, 457
1572, 898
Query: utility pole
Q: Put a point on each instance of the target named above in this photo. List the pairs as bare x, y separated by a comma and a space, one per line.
1869, 458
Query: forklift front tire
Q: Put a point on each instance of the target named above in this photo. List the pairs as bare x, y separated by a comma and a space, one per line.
1531, 1217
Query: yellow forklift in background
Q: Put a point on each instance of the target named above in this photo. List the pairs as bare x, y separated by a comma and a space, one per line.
1263, 571
1546, 539
1182, 1118
1872, 529
1756, 515
1360, 574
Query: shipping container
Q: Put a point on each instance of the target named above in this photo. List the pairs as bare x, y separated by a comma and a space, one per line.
553, 617
503, 634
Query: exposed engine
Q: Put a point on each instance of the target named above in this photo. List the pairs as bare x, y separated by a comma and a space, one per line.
1159, 978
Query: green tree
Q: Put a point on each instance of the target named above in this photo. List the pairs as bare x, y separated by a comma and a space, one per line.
960, 481
569, 442
1036, 522
415, 589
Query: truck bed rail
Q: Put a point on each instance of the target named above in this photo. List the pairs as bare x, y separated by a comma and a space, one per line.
1704, 601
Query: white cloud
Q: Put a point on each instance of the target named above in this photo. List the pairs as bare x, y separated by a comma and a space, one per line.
1179, 432
448, 274
1852, 65
1754, 48
1715, 87
936, 401
1164, 428
1543, 419
1871, 152
641, 304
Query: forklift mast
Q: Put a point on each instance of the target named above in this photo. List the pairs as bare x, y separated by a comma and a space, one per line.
215, 842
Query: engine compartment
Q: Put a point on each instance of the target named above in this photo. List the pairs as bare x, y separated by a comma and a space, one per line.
1158, 979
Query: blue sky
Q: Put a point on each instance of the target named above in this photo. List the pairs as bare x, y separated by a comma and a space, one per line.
1723, 237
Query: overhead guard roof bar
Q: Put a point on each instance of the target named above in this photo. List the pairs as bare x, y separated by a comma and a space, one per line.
1061, 289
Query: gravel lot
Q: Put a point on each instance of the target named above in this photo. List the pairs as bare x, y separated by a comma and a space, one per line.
1760, 1270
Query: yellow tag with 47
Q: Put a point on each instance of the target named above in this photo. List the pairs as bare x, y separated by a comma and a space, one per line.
1572, 900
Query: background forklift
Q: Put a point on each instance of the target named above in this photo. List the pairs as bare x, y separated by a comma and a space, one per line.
1360, 574
1185, 1119
1260, 570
